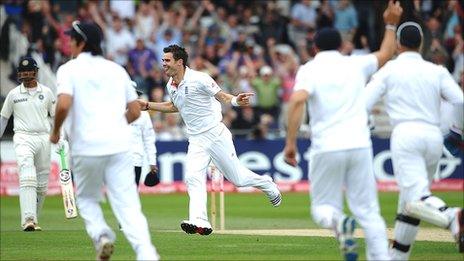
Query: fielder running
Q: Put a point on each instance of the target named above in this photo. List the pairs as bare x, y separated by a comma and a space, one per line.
89, 87
33, 107
413, 89
196, 96
341, 149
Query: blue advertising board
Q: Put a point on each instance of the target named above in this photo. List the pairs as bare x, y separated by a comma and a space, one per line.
266, 157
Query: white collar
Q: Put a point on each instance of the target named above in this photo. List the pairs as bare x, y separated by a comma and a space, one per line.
23, 89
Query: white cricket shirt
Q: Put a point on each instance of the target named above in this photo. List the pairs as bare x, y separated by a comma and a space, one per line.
194, 98
31, 113
96, 124
335, 84
413, 89
143, 140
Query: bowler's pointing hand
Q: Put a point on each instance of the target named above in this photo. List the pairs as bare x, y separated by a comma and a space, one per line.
243, 99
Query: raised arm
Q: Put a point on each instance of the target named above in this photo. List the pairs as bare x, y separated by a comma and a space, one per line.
391, 18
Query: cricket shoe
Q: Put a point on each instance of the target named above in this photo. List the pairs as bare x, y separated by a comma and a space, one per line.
202, 227
105, 248
274, 195
348, 246
37, 228
29, 225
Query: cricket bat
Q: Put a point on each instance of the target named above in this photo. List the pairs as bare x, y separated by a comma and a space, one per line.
67, 189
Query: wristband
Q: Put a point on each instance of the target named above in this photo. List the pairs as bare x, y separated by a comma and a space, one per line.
234, 102
390, 27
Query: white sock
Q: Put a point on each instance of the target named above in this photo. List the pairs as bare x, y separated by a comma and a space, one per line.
28, 203
405, 235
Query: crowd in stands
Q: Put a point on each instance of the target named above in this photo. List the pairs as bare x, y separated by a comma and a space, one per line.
246, 46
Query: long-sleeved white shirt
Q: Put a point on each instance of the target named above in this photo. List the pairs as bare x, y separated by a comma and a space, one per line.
413, 89
143, 140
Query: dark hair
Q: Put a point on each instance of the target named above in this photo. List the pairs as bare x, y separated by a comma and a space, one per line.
177, 52
328, 39
93, 48
410, 37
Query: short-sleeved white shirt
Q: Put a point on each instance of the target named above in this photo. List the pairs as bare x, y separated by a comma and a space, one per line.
96, 124
194, 98
413, 89
335, 83
31, 112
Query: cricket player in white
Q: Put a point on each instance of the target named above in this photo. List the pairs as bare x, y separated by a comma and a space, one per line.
413, 89
96, 98
196, 96
341, 149
143, 142
33, 107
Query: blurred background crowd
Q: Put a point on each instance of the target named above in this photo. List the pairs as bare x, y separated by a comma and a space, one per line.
246, 46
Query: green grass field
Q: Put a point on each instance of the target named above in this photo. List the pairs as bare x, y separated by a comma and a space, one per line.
67, 240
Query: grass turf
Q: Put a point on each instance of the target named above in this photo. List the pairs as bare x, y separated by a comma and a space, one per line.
67, 240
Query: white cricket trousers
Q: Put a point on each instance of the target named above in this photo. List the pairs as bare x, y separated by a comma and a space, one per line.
416, 150
33, 160
216, 144
332, 172
117, 173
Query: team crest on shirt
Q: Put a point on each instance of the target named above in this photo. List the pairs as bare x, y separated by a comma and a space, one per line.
41, 97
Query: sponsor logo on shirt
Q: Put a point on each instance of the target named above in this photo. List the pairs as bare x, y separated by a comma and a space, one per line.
20, 100
186, 90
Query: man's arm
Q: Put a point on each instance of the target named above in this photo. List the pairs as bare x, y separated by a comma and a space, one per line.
375, 88
391, 18
295, 112
243, 99
167, 107
133, 111
3, 123
5, 114
63, 106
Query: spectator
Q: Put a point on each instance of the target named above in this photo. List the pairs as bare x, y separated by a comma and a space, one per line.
141, 61
303, 18
267, 89
119, 41
146, 20
346, 19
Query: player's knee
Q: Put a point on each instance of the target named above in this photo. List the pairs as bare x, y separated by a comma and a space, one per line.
28, 181
27, 175
323, 215
42, 187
